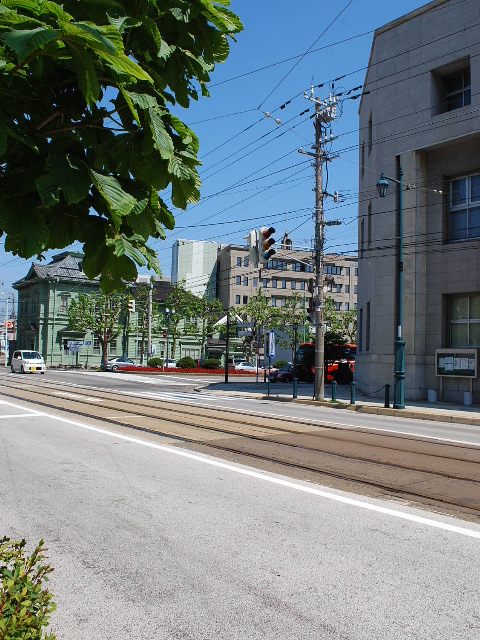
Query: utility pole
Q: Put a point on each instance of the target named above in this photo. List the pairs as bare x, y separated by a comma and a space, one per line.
319, 381
149, 328
325, 112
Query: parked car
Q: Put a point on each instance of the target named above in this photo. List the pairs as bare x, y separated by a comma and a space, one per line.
284, 374
118, 363
246, 366
27, 362
170, 364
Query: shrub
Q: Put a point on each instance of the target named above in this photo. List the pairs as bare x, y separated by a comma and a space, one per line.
211, 363
279, 364
186, 363
25, 604
155, 362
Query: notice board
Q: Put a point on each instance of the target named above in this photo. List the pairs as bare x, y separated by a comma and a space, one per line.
460, 363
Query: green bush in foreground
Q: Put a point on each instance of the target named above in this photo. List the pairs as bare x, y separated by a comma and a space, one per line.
186, 363
211, 363
155, 362
25, 604
280, 364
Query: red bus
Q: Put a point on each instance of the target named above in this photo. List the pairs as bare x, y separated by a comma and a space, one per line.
335, 355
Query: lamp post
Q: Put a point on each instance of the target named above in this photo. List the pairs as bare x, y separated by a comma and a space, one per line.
399, 344
168, 313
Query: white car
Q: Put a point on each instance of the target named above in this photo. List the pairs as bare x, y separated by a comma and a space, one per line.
246, 366
27, 362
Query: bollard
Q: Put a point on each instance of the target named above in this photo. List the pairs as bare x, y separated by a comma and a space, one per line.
352, 393
334, 391
387, 396
295, 383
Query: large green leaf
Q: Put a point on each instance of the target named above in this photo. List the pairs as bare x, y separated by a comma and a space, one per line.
118, 201
86, 73
124, 65
161, 136
62, 176
26, 41
123, 246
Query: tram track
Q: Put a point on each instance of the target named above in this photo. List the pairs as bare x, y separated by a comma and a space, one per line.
441, 475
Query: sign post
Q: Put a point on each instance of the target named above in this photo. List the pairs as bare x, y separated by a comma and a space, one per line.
271, 354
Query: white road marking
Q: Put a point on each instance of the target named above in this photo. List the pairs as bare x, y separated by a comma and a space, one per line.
19, 415
77, 396
354, 502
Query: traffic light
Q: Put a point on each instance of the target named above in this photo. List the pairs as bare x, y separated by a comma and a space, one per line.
311, 309
266, 242
252, 239
131, 306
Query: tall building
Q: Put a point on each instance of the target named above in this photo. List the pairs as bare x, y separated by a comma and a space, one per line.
194, 262
420, 113
288, 274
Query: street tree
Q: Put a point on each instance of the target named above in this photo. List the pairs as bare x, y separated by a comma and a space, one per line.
289, 321
100, 314
259, 313
201, 326
182, 306
87, 134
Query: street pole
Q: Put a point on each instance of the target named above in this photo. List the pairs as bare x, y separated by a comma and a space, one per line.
399, 392
319, 382
227, 346
149, 330
6, 326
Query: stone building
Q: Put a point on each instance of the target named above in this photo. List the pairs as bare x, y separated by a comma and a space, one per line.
420, 112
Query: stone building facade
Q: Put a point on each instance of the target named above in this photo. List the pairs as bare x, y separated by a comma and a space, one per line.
420, 112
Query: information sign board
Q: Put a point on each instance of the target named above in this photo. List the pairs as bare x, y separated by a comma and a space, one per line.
271, 344
461, 363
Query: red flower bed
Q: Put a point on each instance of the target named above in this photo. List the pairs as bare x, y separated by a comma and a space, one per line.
178, 370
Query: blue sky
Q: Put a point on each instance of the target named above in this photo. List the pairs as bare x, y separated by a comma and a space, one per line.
252, 173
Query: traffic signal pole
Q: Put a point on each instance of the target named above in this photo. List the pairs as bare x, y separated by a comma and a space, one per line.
319, 380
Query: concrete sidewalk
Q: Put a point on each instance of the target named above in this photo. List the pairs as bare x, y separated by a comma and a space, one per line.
439, 411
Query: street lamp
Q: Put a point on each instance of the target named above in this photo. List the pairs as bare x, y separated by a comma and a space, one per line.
168, 313
399, 343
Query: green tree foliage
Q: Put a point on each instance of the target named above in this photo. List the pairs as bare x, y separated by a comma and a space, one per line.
207, 313
25, 602
100, 314
87, 136
260, 314
181, 305
289, 320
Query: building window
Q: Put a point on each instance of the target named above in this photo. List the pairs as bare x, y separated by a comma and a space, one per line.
245, 299
457, 90
362, 237
464, 207
302, 286
338, 306
332, 269
339, 288
347, 306
355, 287
284, 284
145, 348
239, 262
355, 306
264, 283
239, 279
282, 301
274, 302
293, 284
237, 299
330, 287
245, 262
63, 304
113, 347
355, 273
347, 288
193, 353
96, 346
367, 328
360, 330
370, 134
274, 283
464, 316
296, 266
255, 282
369, 224
245, 281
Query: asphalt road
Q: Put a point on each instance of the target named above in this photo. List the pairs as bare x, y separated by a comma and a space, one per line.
151, 541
